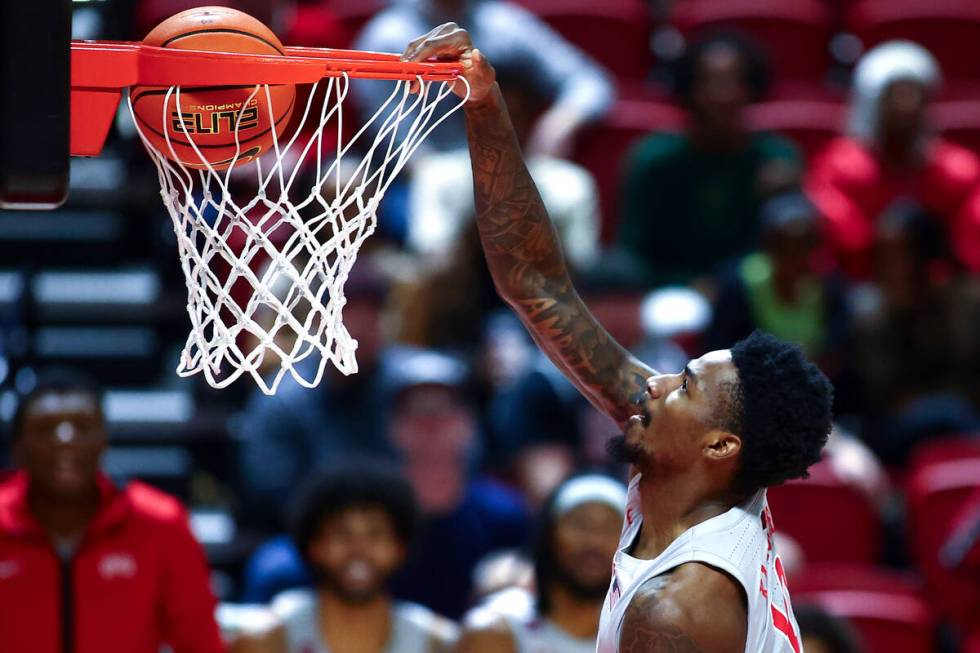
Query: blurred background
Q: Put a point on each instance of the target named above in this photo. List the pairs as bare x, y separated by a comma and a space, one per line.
807, 167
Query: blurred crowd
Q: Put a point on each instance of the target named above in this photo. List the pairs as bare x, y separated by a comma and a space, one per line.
708, 175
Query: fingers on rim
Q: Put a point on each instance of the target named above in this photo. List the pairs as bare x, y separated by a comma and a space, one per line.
451, 43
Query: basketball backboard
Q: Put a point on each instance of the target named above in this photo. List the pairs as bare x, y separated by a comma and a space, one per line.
35, 76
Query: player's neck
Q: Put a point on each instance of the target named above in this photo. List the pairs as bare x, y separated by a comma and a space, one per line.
669, 509
355, 627
576, 616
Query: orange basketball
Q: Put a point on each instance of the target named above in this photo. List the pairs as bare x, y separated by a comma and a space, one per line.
208, 116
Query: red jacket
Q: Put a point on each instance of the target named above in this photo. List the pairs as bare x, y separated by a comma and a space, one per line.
137, 579
851, 189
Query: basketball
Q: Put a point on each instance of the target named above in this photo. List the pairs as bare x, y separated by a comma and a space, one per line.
207, 118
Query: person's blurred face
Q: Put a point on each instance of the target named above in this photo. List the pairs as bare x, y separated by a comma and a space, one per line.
357, 550
61, 444
721, 90
792, 248
362, 317
668, 433
903, 108
584, 542
432, 423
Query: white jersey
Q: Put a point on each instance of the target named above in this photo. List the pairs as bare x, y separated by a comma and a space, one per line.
738, 542
413, 627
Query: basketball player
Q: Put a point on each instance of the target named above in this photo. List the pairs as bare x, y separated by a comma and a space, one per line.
354, 526
696, 570
578, 534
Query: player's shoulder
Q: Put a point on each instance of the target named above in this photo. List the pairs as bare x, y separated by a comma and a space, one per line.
441, 632
151, 505
693, 605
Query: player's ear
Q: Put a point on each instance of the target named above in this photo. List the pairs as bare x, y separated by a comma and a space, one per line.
722, 445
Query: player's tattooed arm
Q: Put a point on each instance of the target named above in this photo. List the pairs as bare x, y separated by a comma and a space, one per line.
692, 609
520, 242
525, 259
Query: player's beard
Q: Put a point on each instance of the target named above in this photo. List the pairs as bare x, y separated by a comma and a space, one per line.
627, 453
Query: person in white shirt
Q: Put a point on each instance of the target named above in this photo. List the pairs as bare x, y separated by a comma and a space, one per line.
441, 189
696, 569
354, 526
577, 537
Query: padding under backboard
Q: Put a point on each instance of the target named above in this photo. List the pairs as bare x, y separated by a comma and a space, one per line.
35, 87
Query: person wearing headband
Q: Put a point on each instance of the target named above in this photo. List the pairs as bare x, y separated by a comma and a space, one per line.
577, 536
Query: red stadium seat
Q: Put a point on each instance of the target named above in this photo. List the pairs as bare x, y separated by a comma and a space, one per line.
887, 608
794, 33
602, 148
936, 493
956, 447
354, 14
810, 123
614, 33
950, 29
959, 121
831, 521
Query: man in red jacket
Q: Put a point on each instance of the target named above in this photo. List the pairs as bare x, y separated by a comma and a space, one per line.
86, 567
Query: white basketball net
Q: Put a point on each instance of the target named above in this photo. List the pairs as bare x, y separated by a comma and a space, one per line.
293, 254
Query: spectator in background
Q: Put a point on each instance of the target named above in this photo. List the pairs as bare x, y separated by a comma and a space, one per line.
823, 633
513, 38
86, 566
916, 344
579, 533
441, 203
780, 290
353, 526
691, 200
891, 152
284, 437
434, 431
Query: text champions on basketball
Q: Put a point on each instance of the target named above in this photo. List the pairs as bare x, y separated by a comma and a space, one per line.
215, 118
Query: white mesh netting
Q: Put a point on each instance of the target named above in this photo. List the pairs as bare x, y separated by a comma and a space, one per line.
265, 271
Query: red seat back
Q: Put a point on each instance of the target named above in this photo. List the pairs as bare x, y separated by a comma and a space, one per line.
950, 29
616, 34
831, 521
936, 494
887, 608
794, 33
810, 123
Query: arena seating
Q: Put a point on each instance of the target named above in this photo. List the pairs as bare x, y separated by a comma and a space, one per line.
831, 521
950, 29
616, 34
887, 608
959, 121
809, 123
602, 147
936, 491
795, 34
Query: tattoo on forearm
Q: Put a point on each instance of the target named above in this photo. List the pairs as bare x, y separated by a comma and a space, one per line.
524, 256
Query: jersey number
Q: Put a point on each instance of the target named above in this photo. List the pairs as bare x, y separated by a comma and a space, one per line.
780, 619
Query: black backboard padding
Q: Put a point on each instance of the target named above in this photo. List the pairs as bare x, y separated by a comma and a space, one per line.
35, 78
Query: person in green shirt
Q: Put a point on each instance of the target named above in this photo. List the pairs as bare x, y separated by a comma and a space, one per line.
691, 200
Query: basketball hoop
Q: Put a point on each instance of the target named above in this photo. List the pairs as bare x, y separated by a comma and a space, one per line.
311, 208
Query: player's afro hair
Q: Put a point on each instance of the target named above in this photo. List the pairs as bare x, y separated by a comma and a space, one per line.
781, 408
353, 483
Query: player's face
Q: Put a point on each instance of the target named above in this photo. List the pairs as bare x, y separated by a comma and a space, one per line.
676, 412
61, 443
585, 540
357, 550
